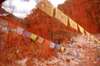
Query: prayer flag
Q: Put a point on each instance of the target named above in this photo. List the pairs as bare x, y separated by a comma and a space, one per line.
80, 55
98, 60
81, 29
92, 58
89, 58
33, 36
66, 20
62, 48
26, 34
58, 14
77, 54
88, 35
46, 42
58, 46
74, 52
47, 7
61, 16
40, 39
83, 56
19, 30
52, 45
73, 24
92, 38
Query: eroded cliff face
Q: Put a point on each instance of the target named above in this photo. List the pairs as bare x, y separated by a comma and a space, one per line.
84, 12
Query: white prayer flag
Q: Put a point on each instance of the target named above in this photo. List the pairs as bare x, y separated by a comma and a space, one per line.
19, 30
52, 45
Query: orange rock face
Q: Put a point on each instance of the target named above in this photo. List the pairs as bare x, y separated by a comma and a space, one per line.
84, 12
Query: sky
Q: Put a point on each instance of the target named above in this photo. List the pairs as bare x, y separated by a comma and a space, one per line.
21, 8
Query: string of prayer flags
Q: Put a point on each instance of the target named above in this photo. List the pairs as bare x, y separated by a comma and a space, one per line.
46, 42
64, 19
52, 45
92, 38
62, 48
40, 39
58, 46
73, 24
11, 26
82, 55
47, 7
26, 34
33, 36
88, 35
19, 30
81, 29
61, 16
